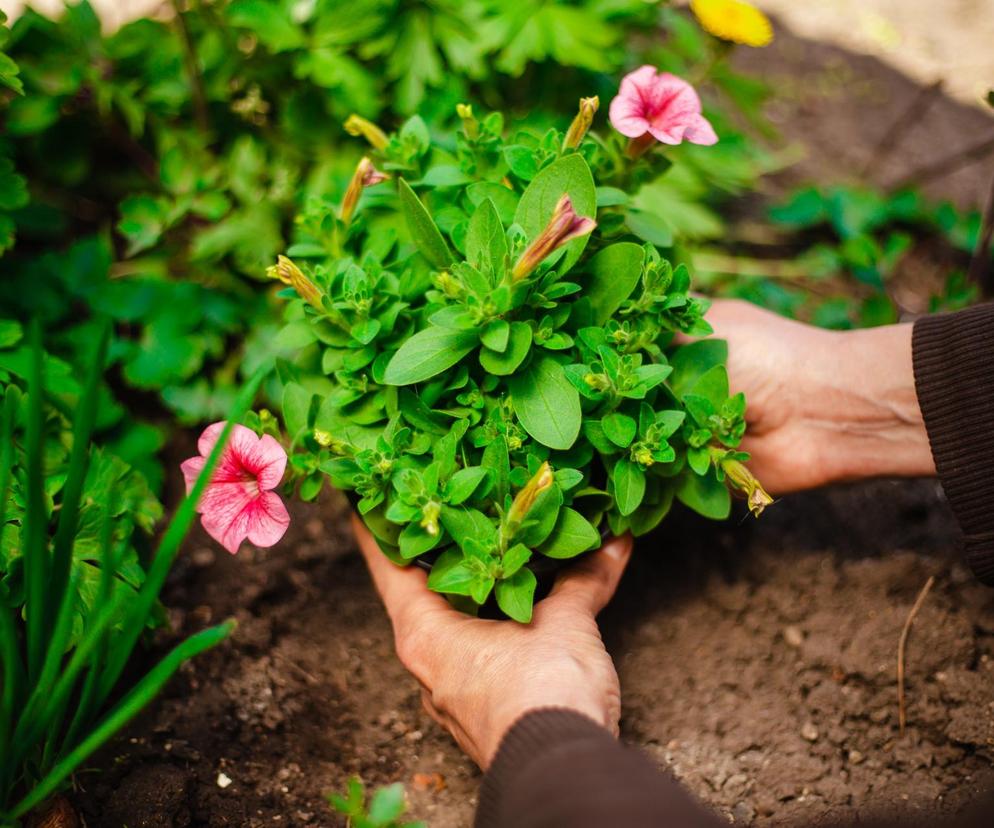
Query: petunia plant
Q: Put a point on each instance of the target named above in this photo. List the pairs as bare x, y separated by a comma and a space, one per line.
494, 358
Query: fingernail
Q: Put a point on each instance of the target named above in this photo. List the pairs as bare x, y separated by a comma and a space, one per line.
617, 550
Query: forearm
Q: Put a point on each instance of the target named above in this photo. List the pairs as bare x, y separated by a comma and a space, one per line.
864, 413
557, 768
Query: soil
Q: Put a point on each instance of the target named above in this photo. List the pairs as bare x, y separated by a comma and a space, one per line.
757, 658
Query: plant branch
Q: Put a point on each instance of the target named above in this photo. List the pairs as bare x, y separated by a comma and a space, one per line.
902, 125
944, 166
200, 111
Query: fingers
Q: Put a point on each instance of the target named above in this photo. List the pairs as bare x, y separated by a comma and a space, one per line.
591, 583
403, 589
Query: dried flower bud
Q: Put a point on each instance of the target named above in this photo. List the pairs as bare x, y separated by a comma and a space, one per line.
526, 498
288, 273
357, 125
745, 481
564, 226
581, 123
365, 175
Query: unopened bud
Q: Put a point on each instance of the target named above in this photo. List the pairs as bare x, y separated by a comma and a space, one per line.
641, 454
745, 481
526, 498
581, 123
469, 123
564, 226
429, 517
365, 175
357, 125
323, 438
288, 273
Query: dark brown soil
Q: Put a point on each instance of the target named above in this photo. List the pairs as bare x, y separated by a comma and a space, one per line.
757, 659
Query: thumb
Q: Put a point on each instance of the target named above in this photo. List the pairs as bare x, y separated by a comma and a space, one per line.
592, 582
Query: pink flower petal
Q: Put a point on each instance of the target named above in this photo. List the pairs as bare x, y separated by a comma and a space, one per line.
208, 438
191, 471
662, 104
268, 520
701, 132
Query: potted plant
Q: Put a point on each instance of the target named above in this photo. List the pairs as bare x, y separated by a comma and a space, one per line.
495, 355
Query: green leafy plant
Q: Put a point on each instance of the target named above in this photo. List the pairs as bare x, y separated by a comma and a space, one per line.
74, 600
384, 808
494, 382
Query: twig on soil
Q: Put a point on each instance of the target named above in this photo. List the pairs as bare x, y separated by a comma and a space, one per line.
901, 644
902, 125
981, 271
950, 163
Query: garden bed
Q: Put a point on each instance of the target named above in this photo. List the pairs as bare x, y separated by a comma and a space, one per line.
757, 658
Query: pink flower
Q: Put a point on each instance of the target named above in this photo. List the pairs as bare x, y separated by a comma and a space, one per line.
239, 503
661, 104
564, 226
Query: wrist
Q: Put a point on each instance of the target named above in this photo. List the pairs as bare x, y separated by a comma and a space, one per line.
863, 408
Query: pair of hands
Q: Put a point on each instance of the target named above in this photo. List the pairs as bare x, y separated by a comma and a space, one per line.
823, 406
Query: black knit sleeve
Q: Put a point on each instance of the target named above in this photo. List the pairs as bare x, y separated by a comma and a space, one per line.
954, 378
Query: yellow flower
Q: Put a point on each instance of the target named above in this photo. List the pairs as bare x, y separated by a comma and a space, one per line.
734, 20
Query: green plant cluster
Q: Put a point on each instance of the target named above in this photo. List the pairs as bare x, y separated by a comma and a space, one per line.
383, 809
489, 401
74, 598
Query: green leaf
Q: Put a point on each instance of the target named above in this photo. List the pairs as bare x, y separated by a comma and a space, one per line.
422, 227
452, 573
495, 335
506, 362
415, 540
614, 273
468, 524
547, 405
619, 429
571, 175
486, 243
387, 804
691, 362
427, 353
515, 558
713, 385
516, 595
142, 222
629, 485
296, 408
270, 23
572, 535
705, 495
649, 227
541, 518
11, 333
463, 483
522, 161
648, 516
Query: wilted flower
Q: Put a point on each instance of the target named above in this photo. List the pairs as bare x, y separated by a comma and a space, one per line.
659, 105
564, 226
745, 482
365, 175
526, 498
734, 20
238, 502
357, 125
288, 273
581, 123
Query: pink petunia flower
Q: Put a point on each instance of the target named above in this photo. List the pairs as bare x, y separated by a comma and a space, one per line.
660, 105
239, 503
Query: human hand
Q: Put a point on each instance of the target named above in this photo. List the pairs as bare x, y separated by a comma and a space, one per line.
478, 677
823, 406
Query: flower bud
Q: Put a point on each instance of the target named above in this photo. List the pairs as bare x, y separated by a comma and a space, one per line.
564, 226
581, 123
288, 273
642, 455
357, 125
429, 517
526, 498
469, 123
745, 481
365, 175
323, 438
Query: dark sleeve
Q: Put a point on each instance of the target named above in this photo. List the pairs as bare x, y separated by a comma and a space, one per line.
954, 377
557, 768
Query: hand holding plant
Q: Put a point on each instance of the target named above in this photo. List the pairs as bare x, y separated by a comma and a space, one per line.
478, 677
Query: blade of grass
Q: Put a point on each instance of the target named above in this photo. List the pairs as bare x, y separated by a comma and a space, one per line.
129, 706
10, 657
79, 464
35, 550
137, 613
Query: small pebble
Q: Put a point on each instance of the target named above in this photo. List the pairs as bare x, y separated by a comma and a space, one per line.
809, 732
223, 780
793, 636
856, 757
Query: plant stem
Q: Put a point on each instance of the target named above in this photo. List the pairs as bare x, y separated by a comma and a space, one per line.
200, 110
945, 165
